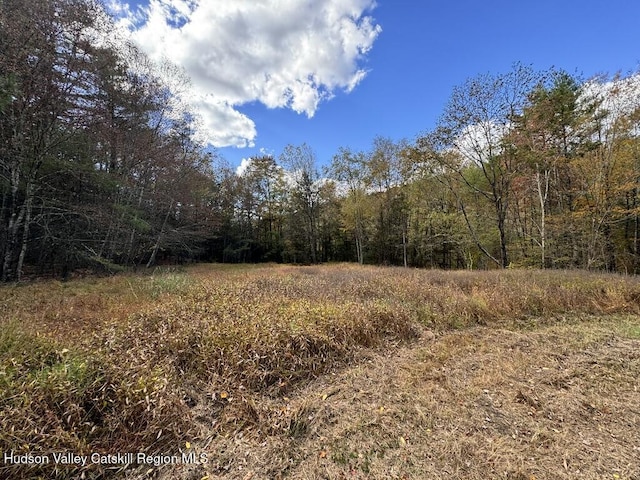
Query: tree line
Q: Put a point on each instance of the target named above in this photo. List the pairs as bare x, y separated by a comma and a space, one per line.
99, 169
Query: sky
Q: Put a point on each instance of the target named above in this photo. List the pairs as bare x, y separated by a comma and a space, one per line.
337, 73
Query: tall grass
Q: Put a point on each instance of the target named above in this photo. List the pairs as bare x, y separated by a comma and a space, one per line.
122, 364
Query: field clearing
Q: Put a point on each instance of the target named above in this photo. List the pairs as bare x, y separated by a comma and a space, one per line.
336, 371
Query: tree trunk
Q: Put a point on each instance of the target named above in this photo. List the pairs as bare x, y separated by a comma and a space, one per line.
25, 230
504, 259
404, 247
156, 247
542, 197
359, 249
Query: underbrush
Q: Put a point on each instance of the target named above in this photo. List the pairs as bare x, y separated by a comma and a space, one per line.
132, 363
53, 399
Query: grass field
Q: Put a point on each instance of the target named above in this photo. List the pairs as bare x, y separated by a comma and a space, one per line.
332, 372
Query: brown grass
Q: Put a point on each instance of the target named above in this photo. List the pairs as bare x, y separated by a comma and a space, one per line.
306, 372
480, 403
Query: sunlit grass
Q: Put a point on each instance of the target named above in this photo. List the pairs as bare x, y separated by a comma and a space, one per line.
120, 363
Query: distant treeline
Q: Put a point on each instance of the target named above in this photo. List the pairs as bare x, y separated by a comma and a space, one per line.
99, 169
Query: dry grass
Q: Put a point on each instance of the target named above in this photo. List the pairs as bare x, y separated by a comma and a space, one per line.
307, 373
481, 403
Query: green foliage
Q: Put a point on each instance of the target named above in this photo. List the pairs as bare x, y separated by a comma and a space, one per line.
46, 395
172, 283
8, 90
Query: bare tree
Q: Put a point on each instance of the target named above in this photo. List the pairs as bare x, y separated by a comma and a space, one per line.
472, 133
349, 168
305, 196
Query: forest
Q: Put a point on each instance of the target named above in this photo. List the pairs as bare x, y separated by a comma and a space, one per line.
100, 170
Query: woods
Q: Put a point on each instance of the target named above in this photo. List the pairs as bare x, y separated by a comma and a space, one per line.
98, 165
100, 169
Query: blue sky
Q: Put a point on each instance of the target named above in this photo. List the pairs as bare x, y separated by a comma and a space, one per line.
413, 52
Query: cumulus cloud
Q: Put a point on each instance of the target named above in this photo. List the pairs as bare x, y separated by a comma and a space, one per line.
614, 98
244, 165
477, 142
221, 124
618, 97
283, 53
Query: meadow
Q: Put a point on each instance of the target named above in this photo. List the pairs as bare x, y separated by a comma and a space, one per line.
333, 371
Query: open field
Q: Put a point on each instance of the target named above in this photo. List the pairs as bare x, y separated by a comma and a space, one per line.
325, 372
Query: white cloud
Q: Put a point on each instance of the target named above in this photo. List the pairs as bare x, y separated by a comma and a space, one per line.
478, 142
619, 97
282, 53
222, 125
244, 165
267, 152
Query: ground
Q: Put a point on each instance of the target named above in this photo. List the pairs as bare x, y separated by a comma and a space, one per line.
556, 402
325, 372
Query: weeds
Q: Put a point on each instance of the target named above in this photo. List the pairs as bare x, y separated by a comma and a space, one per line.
149, 362
172, 283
